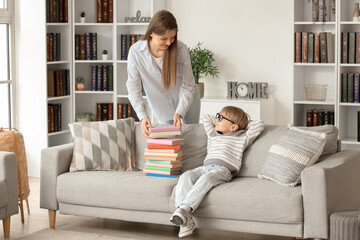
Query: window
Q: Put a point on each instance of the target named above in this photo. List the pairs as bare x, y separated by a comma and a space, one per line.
6, 68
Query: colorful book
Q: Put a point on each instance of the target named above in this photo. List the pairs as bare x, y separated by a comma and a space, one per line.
162, 150
174, 166
160, 172
180, 157
164, 134
164, 154
161, 146
164, 129
166, 141
161, 175
163, 162
166, 169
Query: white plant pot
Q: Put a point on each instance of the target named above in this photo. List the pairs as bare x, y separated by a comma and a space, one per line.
82, 19
104, 57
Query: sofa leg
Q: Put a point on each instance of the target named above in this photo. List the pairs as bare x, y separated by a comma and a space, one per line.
6, 226
52, 218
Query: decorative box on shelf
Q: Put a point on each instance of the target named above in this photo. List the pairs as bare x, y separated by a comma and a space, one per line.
316, 92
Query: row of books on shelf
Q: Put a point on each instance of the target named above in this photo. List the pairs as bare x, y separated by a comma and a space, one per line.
53, 42
86, 46
323, 10
127, 40
58, 82
57, 11
350, 51
318, 117
350, 87
104, 111
101, 78
54, 117
314, 47
105, 12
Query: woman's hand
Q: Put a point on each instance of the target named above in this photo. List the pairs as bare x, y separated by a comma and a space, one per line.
145, 125
177, 120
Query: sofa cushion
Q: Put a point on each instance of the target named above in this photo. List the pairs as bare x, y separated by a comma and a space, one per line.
251, 199
295, 150
111, 189
194, 148
103, 145
3, 194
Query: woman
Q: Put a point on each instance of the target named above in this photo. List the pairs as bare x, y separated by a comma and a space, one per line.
161, 65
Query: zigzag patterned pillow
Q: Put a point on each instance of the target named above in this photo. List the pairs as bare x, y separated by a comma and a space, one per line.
107, 145
294, 151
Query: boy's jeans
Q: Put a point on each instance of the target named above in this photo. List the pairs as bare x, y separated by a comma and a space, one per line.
194, 184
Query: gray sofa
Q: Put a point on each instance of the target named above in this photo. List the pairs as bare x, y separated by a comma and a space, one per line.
8, 189
246, 204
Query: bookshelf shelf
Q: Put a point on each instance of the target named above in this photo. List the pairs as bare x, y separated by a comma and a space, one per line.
57, 62
327, 102
350, 104
94, 92
316, 64
58, 133
58, 98
121, 61
58, 24
93, 24
315, 23
93, 61
132, 24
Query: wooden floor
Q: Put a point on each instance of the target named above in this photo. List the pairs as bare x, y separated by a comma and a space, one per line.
38, 219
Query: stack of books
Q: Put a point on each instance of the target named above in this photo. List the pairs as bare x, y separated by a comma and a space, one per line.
163, 156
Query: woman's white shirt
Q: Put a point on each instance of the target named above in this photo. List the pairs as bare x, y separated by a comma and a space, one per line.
144, 70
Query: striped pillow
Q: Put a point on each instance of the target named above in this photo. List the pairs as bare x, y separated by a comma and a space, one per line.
294, 151
107, 145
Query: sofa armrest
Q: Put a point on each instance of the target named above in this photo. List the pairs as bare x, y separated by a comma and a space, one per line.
327, 187
54, 161
8, 173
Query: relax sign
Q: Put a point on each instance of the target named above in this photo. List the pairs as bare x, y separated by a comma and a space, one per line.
137, 19
247, 90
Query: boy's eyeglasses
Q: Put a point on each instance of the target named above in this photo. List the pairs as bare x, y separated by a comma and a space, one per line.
221, 117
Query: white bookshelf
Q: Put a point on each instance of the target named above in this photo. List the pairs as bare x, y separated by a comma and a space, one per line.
326, 73
65, 62
109, 38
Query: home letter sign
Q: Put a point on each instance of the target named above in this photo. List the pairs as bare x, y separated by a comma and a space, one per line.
257, 90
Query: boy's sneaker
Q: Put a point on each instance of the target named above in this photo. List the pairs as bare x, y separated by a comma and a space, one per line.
178, 217
187, 228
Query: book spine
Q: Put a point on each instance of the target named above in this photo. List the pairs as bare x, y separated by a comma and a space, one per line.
358, 126
315, 10
104, 113
111, 11
327, 9
63, 75
332, 10
48, 47
49, 119
309, 119
124, 110
298, 47
351, 47
323, 48
344, 85
330, 40
315, 117
58, 83
317, 48
350, 88
94, 46
98, 111
54, 47
123, 47
87, 46
304, 47
61, 11
128, 44
56, 118
111, 77
59, 122
51, 116
357, 54
57, 11
93, 77
77, 46
310, 48
119, 111
321, 117
66, 11
344, 47
356, 87
104, 11
99, 78
68, 82
321, 10
99, 11
110, 111
82, 47
104, 78
51, 11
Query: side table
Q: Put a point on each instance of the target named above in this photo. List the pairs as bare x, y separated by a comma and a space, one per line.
11, 140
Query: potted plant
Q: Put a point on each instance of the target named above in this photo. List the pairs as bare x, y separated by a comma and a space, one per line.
82, 16
202, 65
80, 84
83, 117
105, 54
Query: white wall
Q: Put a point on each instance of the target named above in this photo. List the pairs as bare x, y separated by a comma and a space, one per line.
251, 39
31, 79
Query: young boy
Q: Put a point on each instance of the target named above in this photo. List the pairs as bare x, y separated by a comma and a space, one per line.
229, 133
